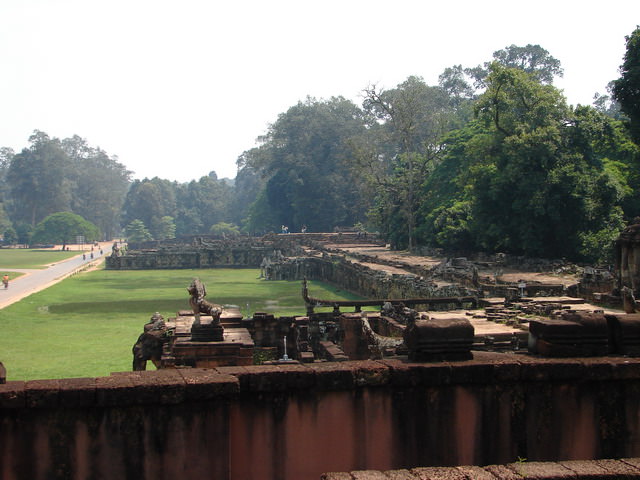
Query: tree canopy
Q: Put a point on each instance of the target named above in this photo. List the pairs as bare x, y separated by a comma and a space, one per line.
626, 89
491, 158
63, 228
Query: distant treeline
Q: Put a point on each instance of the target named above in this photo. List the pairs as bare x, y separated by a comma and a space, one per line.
492, 158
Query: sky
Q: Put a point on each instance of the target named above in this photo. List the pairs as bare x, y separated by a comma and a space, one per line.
177, 89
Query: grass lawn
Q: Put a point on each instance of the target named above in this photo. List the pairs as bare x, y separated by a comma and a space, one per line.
86, 325
12, 275
29, 258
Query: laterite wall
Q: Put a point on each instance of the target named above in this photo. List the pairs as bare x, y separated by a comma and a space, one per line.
298, 421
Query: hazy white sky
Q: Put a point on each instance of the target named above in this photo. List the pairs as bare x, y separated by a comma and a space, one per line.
176, 89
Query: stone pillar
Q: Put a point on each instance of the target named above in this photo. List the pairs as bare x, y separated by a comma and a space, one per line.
628, 258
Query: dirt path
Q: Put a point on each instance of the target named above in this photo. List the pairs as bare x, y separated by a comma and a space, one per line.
36, 280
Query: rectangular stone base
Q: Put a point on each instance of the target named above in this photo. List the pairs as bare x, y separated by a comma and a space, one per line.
236, 348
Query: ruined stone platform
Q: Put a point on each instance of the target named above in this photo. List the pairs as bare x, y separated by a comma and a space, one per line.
236, 347
487, 332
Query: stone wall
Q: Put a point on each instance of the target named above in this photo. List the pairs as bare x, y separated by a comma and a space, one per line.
360, 279
221, 254
607, 469
210, 252
291, 422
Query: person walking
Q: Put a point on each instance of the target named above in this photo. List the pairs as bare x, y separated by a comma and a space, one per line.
5, 280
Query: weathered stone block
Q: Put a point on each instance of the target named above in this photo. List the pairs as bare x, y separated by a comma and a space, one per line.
77, 392
204, 384
12, 395
575, 334
624, 331
410, 374
42, 393
439, 339
541, 471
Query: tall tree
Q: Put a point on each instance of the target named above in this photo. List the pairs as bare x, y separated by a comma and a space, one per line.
137, 232
410, 121
538, 178
39, 180
100, 184
626, 89
149, 201
532, 59
304, 160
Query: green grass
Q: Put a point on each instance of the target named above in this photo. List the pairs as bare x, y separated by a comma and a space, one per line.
86, 325
12, 275
29, 258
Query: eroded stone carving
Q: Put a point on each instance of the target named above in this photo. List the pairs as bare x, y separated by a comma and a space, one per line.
151, 342
200, 305
209, 332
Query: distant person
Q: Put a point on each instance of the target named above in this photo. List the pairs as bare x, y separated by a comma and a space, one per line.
304, 229
5, 280
84, 256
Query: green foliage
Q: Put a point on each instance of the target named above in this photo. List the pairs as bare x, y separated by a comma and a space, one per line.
451, 226
225, 229
63, 227
303, 160
192, 206
491, 158
598, 246
530, 176
137, 232
10, 237
38, 180
166, 228
533, 60
625, 89
99, 185
53, 176
24, 232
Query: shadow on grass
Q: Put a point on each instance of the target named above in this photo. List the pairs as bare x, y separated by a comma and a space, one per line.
126, 306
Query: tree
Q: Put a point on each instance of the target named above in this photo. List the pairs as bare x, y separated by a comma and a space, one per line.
606, 104
626, 89
137, 232
10, 237
529, 176
64, 227
100, 184
532, 59
410, 121
166, 229
24, 231
201, 203
38, 179
304, 160
225, 229
149, 201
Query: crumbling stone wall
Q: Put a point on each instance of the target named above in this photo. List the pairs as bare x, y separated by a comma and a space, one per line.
297, 421
219, 253
360, 279
607, 469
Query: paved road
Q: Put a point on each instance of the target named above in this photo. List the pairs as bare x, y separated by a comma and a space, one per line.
35, 280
